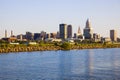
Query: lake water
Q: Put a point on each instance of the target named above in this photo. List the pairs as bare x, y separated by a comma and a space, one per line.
89, 64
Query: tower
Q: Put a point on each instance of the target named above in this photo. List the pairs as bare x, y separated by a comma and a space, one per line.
63, 31
5, 33
79, 34
79, 31
69, 31
11, 33
113, 35
88, 31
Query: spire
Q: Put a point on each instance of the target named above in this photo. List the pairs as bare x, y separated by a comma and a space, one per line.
88, 24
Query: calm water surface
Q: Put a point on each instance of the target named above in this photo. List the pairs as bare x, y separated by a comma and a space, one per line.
92, 64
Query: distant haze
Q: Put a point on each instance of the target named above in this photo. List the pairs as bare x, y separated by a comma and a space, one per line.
37, 15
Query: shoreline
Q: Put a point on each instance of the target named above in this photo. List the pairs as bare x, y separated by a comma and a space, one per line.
54, 48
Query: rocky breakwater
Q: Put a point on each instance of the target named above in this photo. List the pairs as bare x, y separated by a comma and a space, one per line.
29, 49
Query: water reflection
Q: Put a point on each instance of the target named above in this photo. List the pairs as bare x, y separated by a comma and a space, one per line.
92, 64
65, 65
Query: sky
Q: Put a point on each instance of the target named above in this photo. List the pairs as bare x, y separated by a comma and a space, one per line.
46, 15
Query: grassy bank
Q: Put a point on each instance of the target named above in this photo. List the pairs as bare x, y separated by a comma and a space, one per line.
7, 48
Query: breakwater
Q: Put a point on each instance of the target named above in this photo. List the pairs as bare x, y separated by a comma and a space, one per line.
28, 49
18, 48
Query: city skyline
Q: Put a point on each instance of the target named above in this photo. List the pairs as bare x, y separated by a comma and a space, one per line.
67, 31
35, 16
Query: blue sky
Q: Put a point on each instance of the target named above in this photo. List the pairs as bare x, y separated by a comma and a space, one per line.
37, 15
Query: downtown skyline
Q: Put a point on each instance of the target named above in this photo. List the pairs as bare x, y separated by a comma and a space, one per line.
36, 16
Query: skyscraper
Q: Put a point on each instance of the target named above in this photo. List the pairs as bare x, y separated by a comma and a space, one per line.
69, 31
88, 31
63, 31
113, 35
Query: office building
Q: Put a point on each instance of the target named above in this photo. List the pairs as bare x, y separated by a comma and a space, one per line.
113, 35
36, 36
29, 36
63, 31
69, 31
53, 35
43, 35
88, 31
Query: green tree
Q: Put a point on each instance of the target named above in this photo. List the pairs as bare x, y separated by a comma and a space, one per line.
66, 46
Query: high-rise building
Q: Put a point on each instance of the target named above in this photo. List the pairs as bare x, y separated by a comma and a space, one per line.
29, 36
36, 36
69, 31
63, 31
113, 35
88, 31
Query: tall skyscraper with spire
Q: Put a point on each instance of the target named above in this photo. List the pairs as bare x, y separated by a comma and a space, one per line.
88, 31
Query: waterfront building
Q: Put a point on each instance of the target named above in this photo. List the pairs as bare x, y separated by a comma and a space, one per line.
20, 37
88, 31
36, 36
113, 35
48, 35
106, 39
63, 31
53, 40
53, 35
69, 31
96, 37
43, 35
29, 36
32, 43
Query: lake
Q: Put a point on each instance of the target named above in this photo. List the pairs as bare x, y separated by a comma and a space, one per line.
88, 64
